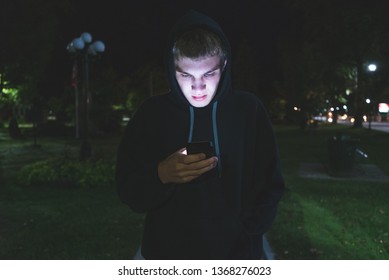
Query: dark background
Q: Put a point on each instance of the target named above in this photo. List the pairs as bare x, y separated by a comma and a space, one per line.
292, 53
136, 30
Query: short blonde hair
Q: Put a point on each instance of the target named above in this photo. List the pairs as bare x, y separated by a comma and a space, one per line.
197, 43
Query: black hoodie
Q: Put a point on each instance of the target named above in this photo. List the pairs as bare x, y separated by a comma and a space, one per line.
222, 214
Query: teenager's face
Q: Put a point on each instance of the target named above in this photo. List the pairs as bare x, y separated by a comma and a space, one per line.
198, 79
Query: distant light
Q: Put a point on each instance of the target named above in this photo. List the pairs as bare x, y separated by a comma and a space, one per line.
10, 91
383, 107
368, 100
332, 109
372, 67
345, 107
348, 91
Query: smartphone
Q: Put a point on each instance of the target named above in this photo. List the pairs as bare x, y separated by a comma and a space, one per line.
204, 147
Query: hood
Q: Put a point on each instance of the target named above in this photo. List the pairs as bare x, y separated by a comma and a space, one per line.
189, 21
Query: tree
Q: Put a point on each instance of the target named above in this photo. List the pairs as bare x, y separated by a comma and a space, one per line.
334, 39
31, 31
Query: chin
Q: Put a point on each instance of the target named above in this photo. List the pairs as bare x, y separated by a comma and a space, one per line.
197, 105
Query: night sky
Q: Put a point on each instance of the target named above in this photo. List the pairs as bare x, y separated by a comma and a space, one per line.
134, 31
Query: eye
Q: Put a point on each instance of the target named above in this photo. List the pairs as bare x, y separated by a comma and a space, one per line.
210, 74
185, 75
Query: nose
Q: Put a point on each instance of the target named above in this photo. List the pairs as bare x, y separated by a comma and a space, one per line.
198, 84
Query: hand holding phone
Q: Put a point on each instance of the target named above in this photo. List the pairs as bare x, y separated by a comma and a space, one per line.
178, 168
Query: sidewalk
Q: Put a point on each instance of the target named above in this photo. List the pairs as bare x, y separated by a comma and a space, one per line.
362, 172
381, 126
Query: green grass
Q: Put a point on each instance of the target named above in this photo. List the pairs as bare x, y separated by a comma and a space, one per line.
67, 224
62, 223
331, 219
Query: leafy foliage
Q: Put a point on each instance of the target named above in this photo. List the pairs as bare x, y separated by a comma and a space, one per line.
66, 172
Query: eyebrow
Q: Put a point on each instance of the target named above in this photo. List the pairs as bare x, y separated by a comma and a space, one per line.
213, 69
179, 69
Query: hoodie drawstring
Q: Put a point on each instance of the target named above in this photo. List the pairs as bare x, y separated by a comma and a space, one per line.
215, 137
191, 111
215, 133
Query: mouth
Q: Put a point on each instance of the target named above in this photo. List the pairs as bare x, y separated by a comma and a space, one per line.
199, 98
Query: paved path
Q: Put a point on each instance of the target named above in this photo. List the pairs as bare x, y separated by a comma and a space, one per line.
381, 126
362, 172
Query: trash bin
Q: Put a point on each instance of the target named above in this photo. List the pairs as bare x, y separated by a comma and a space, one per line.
341, 153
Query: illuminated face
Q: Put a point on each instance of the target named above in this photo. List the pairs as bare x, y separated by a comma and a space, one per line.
198, 79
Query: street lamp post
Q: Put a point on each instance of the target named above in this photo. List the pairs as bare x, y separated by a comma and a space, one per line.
84, 48
368, 101
371, 68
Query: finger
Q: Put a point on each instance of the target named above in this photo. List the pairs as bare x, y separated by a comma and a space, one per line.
193, 158
198, 171
202, 163
186, 175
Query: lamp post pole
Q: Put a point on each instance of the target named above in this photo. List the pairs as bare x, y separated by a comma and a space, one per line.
371, 68
86, 149
368, 101
84, 48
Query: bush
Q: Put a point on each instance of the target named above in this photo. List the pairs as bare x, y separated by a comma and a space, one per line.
67, 172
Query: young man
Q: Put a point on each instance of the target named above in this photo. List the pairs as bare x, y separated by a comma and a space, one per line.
198, 206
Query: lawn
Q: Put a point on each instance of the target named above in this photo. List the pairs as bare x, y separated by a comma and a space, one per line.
327, 218
41, 222
317, 218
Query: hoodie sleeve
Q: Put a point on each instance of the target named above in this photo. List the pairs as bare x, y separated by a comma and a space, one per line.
137, 179
268, 184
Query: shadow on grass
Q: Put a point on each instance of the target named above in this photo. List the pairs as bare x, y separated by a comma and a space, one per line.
284, 241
